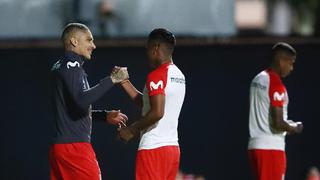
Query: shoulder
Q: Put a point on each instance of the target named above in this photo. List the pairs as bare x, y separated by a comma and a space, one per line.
173, 69
157, 80
261, 78
159, 72
56, 66
274, 79
68, 68
260, 81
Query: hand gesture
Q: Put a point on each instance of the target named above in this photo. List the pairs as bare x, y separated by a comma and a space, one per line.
125, 134
116, 118
119, 74
297, 126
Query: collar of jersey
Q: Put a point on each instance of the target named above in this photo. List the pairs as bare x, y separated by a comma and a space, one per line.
72, 56
270, 70
165, 65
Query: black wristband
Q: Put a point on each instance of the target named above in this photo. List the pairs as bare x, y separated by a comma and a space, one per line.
99, 115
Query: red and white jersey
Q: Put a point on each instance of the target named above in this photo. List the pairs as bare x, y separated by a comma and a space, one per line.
168, 80
266, 90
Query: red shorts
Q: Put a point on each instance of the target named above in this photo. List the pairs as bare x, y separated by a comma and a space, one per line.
73, 161
267, 164
158, 164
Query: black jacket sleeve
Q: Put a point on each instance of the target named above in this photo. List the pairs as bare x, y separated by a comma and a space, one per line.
75, 82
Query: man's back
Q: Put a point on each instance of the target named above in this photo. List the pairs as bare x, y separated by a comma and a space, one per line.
170, 81
266, 90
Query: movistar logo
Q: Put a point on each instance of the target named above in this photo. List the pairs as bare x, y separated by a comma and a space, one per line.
156, 85
73, 64
178, 80
278, 97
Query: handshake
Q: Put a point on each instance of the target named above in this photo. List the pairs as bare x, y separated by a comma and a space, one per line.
119, 74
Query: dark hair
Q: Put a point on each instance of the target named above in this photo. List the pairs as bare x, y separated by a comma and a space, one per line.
283, 47
72, 27
162, 35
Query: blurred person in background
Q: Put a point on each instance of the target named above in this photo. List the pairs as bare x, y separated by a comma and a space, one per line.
184, 176
106, 14
313, 174
268, 116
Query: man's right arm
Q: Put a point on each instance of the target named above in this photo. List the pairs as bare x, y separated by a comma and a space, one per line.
133, 93
279, 124
277, 96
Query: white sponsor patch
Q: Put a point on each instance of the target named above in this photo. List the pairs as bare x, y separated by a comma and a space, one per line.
156, 85
278, 97
73, 64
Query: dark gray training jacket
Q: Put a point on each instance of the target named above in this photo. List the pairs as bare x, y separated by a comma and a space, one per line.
72, 99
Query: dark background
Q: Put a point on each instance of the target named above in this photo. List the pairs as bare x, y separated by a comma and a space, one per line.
213, 125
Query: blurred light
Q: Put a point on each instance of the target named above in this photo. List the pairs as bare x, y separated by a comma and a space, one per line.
250, 14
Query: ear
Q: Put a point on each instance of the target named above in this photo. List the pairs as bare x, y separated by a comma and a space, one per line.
73, 42
156, 48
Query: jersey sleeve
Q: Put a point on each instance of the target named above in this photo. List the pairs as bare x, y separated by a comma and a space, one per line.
156, 83
277, 93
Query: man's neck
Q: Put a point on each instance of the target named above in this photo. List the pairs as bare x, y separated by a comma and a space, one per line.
276, 69
166, 60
